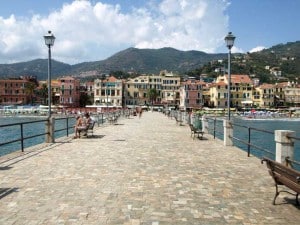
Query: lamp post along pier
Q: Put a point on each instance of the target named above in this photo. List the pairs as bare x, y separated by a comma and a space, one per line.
49, 41
229, 39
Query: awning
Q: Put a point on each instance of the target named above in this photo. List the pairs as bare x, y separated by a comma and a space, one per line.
247, 102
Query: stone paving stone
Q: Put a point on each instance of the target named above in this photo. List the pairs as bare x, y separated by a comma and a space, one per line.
146, 171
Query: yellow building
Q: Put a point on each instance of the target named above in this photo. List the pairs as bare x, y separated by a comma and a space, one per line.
218, 94
108, 93
263, 96
166, 84
136, 91
155, 83
241, 87
170, 85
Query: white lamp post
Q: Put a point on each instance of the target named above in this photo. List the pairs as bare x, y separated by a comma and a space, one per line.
229, 39
49, 41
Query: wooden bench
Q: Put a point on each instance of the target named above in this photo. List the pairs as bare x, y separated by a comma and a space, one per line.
195, 131
88, 130
283, 175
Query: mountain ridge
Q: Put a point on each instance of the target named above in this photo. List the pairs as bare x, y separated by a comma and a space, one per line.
131, 59
150, 61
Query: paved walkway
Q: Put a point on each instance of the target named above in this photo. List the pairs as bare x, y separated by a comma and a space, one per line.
146, 171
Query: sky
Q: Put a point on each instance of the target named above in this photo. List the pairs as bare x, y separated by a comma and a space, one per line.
92, 30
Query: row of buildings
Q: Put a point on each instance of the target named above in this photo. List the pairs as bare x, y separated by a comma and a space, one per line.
164, 89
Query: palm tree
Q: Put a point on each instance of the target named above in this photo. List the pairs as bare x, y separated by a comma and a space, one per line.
29, 91
152, 95
43, 93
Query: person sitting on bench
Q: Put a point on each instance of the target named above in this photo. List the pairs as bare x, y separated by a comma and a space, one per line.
82, 124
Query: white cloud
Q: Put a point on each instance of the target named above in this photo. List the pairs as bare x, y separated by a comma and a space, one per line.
236, 50
257, 49
88, 31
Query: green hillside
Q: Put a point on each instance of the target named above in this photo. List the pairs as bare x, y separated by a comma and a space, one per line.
286, 57
283, 57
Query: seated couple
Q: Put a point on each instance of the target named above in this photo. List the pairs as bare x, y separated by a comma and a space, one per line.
82, 124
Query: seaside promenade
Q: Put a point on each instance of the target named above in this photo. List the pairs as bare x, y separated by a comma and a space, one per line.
141, 171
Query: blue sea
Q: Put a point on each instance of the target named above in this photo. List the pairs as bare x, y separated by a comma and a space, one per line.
258, 138
14, 132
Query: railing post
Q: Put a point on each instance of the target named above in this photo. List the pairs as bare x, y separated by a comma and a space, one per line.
249, 140
205, 124
215, 127
228, 133
67, 126
50, 124
22, 138
284, 145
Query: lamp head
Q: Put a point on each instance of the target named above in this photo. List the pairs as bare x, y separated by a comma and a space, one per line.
229, 39
49, 39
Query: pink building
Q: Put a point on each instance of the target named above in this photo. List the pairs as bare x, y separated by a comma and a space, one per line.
191, 94
69, 92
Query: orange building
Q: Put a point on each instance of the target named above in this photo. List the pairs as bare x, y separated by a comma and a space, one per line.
18, 91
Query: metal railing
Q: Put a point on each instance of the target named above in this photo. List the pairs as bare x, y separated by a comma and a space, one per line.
290, 161
21, 134
250, 137
248, 141
215, 130
27, 131
67, 126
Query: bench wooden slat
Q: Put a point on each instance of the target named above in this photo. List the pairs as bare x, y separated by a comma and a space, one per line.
283, 175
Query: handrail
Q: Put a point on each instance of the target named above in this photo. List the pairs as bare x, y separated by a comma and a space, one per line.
214, 130
252, 145
253, 128
63, 127
250, 135
23, 131
291, 162
15, 124
22, 138
67, 127
248, 143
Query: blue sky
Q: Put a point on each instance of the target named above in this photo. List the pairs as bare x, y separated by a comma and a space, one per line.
96, 29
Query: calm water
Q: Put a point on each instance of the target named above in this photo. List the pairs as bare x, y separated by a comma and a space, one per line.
261, 139
14, 132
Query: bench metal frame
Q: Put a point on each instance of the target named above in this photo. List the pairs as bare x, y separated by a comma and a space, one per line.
283, 175
90, 129
195, 131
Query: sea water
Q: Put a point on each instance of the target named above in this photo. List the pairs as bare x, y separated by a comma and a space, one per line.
11, 133
258, 138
